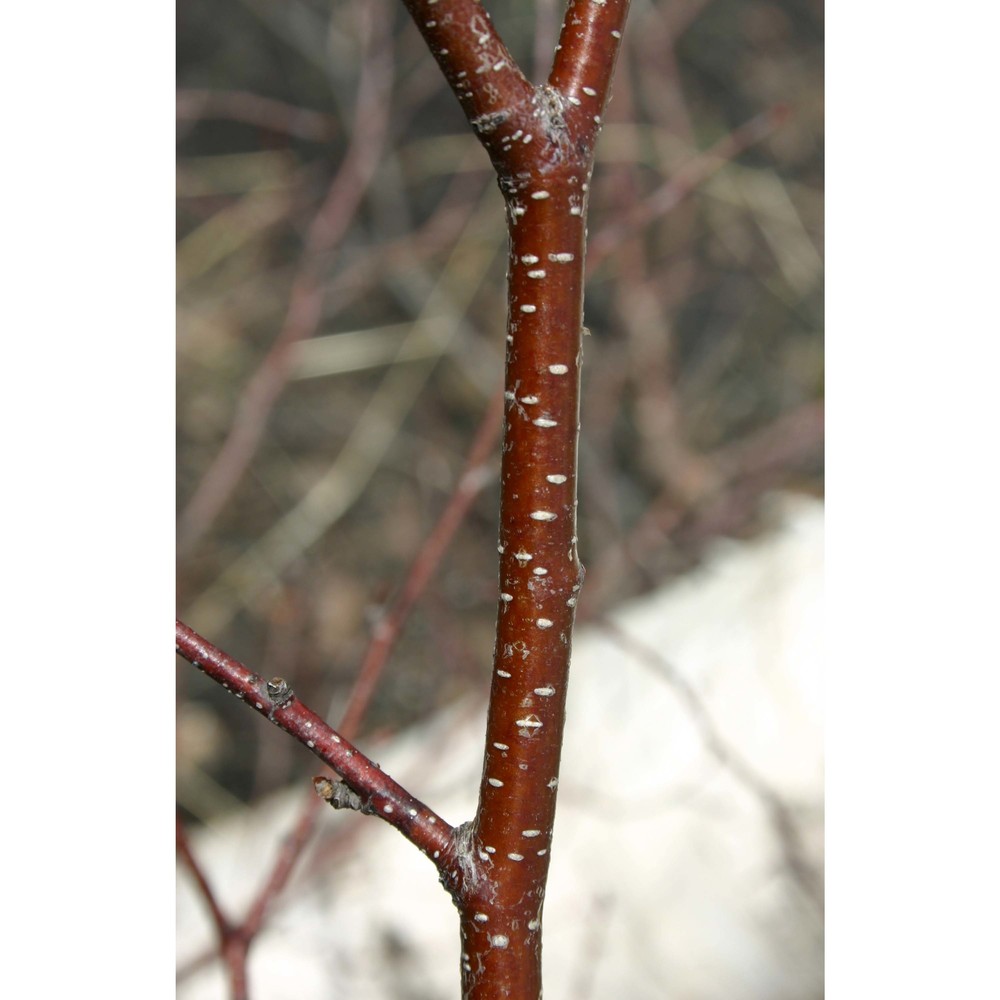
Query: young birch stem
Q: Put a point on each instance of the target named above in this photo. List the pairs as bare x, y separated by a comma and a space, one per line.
541, 142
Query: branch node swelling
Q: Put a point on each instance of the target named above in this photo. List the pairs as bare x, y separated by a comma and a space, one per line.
279, 691
470, 879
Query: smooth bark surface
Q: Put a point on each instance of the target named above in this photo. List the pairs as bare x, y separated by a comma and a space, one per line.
541, 142
377, 792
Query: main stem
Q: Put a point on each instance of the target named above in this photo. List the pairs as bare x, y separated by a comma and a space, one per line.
540, 578
541, 141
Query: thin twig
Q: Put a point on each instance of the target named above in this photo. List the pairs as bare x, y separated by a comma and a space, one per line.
733, 479
474, 476
292, 847
252, 109
254, 570
222, 924
232, 944
277, 702
691, 176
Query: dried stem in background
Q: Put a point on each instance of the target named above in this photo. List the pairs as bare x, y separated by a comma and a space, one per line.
387, 630
252, 109
694, 173
306, 301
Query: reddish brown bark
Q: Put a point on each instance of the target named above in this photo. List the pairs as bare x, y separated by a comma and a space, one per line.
274, 700
541, 142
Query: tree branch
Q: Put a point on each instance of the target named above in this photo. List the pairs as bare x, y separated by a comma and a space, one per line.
277, 702
541, 142
222, 924
475, 62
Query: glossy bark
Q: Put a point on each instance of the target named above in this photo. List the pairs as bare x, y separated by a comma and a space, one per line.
541, 142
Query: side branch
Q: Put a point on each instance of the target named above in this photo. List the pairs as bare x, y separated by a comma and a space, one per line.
471, 54
585, 60
375, 790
